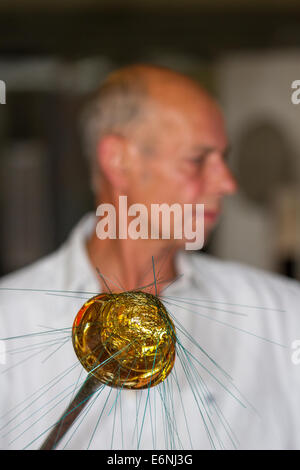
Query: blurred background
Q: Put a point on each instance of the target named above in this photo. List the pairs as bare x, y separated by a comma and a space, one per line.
54, 53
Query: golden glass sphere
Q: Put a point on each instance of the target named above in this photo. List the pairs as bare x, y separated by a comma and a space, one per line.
125, 340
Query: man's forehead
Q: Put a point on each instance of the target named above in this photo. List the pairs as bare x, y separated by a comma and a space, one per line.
180, 110
202, 125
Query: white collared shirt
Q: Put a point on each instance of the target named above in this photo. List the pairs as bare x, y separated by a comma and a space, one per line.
236, 380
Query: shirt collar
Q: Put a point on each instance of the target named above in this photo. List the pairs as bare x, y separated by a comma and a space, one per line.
80, 272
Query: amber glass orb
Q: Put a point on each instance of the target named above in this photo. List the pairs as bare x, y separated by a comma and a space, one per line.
125, 340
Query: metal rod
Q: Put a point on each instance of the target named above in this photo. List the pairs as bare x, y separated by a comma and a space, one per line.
80, 400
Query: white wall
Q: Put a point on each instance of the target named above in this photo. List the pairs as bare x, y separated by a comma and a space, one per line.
253, 86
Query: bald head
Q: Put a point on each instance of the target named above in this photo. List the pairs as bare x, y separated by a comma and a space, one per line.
129, 95
160, 85
152, 78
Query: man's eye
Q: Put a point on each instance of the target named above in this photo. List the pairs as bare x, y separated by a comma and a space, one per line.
197, 160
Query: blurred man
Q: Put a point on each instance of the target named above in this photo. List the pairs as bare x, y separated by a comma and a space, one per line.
162, 141
157, 137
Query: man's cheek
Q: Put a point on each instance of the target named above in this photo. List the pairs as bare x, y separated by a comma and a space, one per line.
193, 192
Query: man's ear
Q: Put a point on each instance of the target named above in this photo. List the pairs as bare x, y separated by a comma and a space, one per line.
113, 159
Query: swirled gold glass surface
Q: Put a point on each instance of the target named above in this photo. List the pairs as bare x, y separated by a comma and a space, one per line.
125, 340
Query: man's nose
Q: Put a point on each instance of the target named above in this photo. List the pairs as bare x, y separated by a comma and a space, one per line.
229, 183
225, 181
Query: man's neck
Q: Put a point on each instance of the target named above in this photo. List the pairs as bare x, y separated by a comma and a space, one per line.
130, 264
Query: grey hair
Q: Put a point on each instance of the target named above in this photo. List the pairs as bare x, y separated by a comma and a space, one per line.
119, 103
